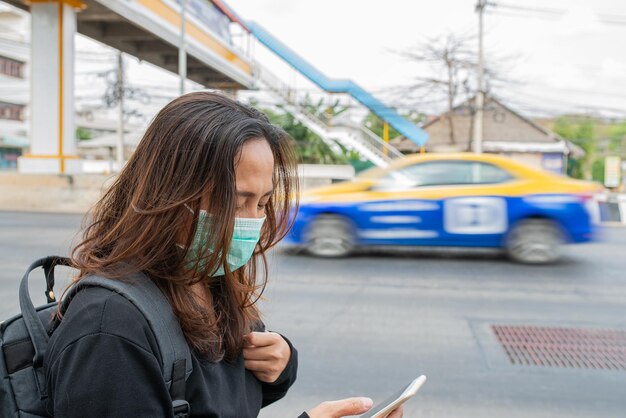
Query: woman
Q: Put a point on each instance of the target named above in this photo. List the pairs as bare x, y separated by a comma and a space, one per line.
202, 199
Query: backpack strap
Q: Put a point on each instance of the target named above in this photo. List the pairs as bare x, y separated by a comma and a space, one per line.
36, 329
142, 292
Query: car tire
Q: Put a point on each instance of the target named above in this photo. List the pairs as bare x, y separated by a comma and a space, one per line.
535, 241
330, 236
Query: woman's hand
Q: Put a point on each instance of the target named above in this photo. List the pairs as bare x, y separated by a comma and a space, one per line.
266, 355
346, 408
396, 413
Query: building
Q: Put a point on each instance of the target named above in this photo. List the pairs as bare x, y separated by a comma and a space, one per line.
14, 86
15, 97
505, 132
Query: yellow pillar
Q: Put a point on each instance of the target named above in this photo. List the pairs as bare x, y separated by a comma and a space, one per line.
52, 142
386, 137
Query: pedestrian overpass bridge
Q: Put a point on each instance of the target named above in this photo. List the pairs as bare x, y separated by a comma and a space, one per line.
151, 31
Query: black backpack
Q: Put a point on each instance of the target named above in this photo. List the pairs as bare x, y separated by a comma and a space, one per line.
24, 340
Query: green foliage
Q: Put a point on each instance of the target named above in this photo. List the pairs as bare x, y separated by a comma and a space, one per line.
83, 134
324, 112
597, 138
617, 138
376, 124
310, 148
574, 168
581, 133
597, 170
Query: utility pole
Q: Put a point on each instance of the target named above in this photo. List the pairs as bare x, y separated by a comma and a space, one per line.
120, 105
182, 51
477, 135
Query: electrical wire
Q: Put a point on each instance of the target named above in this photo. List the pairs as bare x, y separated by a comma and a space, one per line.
517, 15
523, 8
538, 13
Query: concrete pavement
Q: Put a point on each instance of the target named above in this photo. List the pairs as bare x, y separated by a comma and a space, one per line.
368, 324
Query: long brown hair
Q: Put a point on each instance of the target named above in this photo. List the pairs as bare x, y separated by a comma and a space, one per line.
141, 224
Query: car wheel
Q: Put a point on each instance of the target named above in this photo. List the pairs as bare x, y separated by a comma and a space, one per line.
330, 236
535, 241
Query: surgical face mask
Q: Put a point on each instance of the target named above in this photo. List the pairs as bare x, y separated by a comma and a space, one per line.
246, 235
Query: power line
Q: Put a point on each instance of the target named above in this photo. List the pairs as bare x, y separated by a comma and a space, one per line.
559, 107
522, 8
576, 91
613, 22
518, 15
618, 18
525, 12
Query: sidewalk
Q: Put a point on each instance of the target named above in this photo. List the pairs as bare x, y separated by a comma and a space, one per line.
50, 193
76, 194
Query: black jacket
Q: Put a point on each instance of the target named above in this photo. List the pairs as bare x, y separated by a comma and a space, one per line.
103, 361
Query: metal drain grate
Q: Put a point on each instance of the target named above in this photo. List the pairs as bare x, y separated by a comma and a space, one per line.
563, 347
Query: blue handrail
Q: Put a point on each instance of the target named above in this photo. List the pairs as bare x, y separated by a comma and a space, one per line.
405, 127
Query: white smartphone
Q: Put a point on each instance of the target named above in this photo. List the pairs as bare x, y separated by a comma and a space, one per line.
384, 408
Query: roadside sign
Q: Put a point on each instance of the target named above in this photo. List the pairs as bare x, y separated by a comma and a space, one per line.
612, 171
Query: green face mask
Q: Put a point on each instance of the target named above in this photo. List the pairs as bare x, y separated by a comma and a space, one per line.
246, 235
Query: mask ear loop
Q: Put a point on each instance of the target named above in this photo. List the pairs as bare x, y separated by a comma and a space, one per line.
190, 210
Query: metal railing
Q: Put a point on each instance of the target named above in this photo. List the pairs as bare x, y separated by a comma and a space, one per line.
383, 146
350, 135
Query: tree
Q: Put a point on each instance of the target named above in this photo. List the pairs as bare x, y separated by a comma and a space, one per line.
451, 62
324, 112
617, 139
451, 70
597, 170
376, 124
83, 133
310, 148
582, 134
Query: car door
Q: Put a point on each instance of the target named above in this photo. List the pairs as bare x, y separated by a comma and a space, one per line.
398, 212
444, 202
474, 204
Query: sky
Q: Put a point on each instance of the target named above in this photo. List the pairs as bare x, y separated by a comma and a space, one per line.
562, 57
557, 56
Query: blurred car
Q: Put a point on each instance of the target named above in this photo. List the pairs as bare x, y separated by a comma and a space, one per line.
448, 200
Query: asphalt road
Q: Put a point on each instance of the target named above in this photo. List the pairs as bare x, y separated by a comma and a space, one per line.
369, 324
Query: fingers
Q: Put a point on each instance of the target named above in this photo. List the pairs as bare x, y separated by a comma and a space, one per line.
341, 408
278, 351
272, 348
397, 413
261, 339
247, 340
262, 353
352, 406
265, 371
266, 354
259, 366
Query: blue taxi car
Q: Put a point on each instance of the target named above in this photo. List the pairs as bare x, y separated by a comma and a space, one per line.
450, 200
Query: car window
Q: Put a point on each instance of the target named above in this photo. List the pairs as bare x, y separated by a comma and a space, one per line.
490, 174
440, 173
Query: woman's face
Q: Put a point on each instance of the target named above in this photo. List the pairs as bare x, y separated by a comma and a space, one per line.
254, 171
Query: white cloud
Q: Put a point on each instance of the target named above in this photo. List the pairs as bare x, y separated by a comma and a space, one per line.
558, 58
581, 19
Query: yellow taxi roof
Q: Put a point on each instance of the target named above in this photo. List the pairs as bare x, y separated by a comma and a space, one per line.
498, 160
